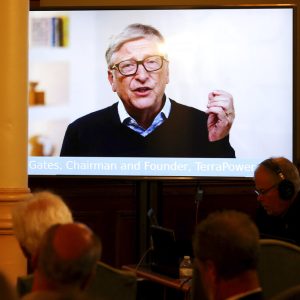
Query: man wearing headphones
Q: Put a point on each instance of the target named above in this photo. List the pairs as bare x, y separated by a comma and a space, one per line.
277, 184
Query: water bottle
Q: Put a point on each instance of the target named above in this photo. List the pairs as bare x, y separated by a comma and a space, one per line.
185, 268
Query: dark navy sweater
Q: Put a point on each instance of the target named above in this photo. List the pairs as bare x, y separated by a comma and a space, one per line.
183, 134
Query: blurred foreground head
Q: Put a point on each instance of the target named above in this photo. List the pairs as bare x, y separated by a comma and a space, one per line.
226, 248
67, 257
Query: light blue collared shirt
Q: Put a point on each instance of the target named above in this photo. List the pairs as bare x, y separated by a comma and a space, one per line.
132, 123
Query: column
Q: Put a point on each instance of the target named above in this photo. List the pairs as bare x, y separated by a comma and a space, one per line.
13, 128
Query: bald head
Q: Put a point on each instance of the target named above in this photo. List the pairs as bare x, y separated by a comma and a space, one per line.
275, 165
68, 254
71, 240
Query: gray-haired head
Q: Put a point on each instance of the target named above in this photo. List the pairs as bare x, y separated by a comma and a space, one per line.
130, 33
33, 217
287, 167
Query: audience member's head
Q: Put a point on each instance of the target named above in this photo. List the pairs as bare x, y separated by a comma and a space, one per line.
226, 248
277, 184
33, 217
67, 258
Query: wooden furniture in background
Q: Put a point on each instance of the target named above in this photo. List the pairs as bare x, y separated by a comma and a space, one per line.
170, 288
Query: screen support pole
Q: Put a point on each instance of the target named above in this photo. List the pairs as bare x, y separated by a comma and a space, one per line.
148, 193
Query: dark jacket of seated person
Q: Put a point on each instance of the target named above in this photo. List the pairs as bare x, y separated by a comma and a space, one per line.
107, 283
285, 227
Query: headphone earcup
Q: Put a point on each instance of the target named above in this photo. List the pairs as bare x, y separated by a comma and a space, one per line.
286, 189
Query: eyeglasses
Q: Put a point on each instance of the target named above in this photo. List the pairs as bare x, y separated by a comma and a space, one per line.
129, 67
264, 192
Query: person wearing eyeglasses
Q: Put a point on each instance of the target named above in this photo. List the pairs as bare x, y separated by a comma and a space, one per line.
145, 122
277, 185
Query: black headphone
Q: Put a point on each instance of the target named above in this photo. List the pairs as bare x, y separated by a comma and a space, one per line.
286, 188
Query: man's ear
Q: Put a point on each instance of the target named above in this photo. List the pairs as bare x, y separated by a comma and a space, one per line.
207, 267
211, 270
209, 277
86, 281
111, 79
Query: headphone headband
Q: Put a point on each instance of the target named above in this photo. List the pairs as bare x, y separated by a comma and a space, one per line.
273, 166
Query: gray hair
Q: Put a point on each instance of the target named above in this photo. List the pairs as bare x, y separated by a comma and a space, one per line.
289, 170
33, 217
130, 33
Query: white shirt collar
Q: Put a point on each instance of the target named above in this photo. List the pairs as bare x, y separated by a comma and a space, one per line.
123, 114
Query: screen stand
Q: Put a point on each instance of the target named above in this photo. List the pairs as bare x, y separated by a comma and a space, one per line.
148, 195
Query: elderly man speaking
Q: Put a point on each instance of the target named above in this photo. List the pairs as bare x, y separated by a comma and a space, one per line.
145, 122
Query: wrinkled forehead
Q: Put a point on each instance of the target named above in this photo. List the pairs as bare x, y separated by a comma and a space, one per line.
134, 46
